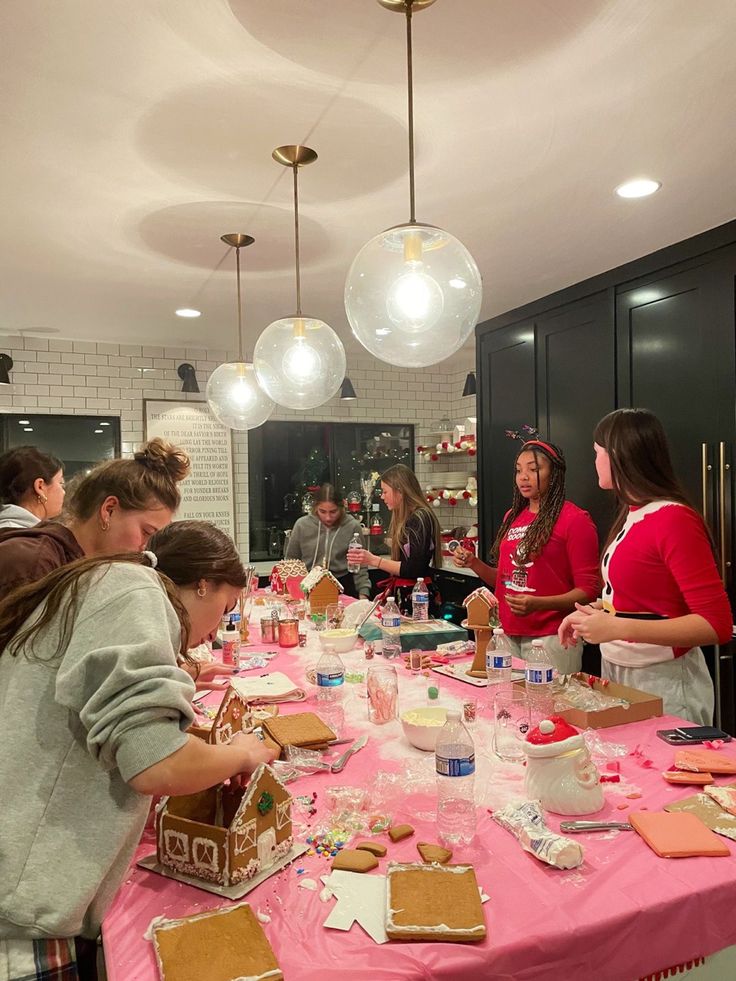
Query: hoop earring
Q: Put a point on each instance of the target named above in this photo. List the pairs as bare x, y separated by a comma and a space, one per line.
105, 525
41, 498
202, 591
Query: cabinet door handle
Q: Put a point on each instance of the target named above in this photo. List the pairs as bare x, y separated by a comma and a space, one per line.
723, 467
704, 468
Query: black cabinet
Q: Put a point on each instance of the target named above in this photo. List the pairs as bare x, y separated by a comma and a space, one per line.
657, 333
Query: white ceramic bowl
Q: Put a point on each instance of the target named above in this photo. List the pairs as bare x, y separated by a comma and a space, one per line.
343, 639
422, 725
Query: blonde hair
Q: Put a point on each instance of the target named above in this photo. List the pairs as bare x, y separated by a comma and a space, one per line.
403, 480
150, 478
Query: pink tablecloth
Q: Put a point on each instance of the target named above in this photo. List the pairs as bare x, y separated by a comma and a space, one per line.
623, 914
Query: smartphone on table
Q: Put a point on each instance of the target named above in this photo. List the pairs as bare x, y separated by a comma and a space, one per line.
691, 735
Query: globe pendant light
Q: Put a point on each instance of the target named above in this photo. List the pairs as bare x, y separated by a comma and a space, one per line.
300, 361
233, 393
413, 293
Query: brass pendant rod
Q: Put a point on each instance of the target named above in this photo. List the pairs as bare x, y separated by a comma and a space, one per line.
296, 242
410, 94
240, 312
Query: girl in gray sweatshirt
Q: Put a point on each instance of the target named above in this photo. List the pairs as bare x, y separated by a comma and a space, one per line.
93, 718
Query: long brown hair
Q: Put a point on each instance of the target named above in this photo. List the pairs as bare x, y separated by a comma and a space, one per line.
21, 467
327, 494
186, 552
550, 503
641, 464
150, 478
402, 479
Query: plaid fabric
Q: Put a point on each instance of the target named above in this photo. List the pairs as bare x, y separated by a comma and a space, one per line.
38, 960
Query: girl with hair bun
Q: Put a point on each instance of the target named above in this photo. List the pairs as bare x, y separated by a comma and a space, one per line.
31, 487
94, 724
545, 556
114, 508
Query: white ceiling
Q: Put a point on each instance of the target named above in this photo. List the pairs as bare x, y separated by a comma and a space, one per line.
136, 133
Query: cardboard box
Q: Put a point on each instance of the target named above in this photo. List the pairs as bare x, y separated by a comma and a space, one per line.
642, 706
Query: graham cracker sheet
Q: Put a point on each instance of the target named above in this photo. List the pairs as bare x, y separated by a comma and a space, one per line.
220, 945
433, 903
300, 729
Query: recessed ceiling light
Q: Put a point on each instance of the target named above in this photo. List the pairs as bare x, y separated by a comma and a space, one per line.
104, 423
24, 422
188, 312
99, 430
640, 187
28, 430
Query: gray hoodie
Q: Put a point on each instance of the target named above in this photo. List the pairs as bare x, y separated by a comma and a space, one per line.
311, 541
73, 731
14, 516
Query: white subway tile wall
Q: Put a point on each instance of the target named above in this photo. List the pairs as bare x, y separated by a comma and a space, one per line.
83, 377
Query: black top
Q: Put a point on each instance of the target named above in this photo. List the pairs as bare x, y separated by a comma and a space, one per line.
417, 550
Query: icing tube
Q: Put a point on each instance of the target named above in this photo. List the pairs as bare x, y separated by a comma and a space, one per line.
526, 823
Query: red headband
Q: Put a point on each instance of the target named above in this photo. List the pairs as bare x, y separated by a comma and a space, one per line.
545, 446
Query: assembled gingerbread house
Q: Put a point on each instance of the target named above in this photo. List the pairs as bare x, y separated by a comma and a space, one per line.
234, 715
226, 834
321, 588
480, 604
286, 577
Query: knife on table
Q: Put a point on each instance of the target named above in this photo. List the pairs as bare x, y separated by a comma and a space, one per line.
575, 827
340, 762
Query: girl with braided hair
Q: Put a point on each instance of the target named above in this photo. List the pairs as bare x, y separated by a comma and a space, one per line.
545, 556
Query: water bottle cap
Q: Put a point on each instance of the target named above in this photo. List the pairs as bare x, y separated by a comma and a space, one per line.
453, 716
538, 642
497, 631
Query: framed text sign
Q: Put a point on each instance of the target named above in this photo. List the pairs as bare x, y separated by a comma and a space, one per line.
207, 493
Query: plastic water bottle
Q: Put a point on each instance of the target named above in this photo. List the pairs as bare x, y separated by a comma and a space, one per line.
330, 676
391, 629
455, 765
355, 542
539, 677
420, 601
498, 659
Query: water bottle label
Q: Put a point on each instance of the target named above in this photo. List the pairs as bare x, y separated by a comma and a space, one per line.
498, 661
539, 676
330, 680
391, 622
454, 767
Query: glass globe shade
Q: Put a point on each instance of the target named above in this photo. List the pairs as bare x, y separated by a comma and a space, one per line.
300, 362
235, 397
413, 295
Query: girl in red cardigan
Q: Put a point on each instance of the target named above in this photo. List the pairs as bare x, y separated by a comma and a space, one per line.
662, 595
544, 559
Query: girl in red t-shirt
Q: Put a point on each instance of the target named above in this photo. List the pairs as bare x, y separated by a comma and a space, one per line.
544, 560
662, 595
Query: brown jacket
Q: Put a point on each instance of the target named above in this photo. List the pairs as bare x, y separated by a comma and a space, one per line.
28, 554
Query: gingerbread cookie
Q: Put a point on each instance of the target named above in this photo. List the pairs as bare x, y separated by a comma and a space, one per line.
354, 860
400, 831
374, 847
434, 853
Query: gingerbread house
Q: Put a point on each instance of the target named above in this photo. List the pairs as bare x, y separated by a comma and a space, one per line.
226, 834
234, 715
286, 577
480, 605
321, 588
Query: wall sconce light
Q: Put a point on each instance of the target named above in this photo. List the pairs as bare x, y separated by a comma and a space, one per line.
347, 392
6, 366
469, 385
188, 376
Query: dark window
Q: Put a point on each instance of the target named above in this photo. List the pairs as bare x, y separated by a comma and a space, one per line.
78, 441
288, 460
